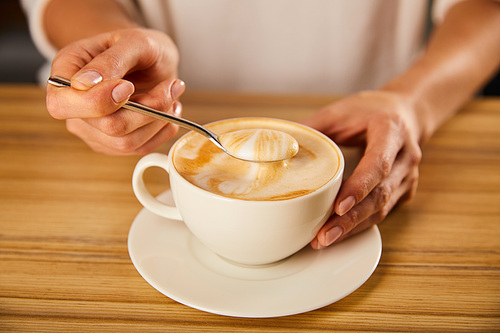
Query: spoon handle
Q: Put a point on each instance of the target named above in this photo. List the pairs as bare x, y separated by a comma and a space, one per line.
133, 106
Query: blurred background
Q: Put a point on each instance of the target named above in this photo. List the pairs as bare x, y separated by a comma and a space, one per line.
20, 60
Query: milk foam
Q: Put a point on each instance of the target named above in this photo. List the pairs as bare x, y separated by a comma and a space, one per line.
203, 164
260, 145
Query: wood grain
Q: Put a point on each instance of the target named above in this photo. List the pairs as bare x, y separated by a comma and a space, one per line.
65, 213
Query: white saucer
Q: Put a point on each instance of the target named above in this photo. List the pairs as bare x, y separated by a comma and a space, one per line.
175, 263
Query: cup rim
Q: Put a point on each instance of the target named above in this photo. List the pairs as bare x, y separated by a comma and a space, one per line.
339, 173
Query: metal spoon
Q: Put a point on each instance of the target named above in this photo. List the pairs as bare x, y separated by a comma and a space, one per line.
62, 82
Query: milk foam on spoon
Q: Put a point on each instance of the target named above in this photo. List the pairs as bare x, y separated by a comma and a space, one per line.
260, 145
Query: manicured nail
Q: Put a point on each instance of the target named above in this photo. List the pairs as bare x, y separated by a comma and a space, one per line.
86, 80
122, 91
177, 89
346, 205
333, 234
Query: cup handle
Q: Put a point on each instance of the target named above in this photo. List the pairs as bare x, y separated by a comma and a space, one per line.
142, 193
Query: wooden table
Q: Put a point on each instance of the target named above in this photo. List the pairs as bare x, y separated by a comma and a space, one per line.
65, 212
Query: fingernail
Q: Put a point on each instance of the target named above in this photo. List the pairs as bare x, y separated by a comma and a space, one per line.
346, 205
122, 91
177, 89
86, 80
333, 234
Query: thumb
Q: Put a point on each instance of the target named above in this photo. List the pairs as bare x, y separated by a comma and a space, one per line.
323, 120
90, 61
114, 63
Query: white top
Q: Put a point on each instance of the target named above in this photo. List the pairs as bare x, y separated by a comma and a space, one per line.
281, 46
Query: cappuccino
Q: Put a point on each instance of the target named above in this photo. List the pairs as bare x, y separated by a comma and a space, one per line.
201, 163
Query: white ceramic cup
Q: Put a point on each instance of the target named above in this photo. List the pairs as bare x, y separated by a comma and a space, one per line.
243, 231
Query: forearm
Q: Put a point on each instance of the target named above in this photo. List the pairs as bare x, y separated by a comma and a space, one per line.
462, 55
67, 21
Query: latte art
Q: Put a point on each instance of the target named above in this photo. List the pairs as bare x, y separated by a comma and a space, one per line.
260, 145
206, 166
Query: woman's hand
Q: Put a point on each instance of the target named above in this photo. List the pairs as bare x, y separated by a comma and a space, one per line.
385, 125
105, 70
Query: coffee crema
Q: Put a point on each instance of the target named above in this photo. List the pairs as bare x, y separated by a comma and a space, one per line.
201, 163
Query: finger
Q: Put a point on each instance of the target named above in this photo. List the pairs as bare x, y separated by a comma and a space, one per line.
101, 100
339, 129
163, 95
165, 134
379, 202
141, 141
106, 56
367, 223
316, 245
403, 192
123, 122
120, 123
338, 226
336, 121
322, 120
72, 58
330, 120
383, 145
